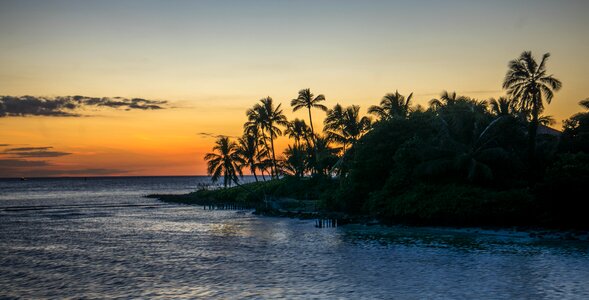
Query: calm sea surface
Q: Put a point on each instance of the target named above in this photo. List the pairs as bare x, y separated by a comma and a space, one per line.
98, 238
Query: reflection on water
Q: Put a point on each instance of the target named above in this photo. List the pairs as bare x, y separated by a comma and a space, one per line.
104, 239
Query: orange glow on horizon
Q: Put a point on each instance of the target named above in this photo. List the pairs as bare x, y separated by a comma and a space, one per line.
212, 63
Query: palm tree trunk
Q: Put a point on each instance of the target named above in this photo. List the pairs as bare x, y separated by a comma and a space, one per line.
266, 145
312, 129
532, 132
313, 138
253, 169
273, 156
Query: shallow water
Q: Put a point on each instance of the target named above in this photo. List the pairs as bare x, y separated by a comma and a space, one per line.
99, 238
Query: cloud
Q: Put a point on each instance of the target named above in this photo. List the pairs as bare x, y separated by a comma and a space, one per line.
16, 170
28, 162
41, 154
75, 172
91, 171
4, 145
214, 135
19, 163
27, 149
66, 106
33, 152
207, 134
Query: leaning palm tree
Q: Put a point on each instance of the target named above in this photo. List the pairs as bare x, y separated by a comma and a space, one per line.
306, 100
527, 81
392, 106
224, 161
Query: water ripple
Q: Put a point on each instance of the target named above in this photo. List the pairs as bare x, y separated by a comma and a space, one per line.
87, 245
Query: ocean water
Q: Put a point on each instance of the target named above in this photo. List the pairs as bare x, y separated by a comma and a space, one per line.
99, 238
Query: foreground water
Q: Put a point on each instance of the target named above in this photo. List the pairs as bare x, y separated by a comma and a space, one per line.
99, 238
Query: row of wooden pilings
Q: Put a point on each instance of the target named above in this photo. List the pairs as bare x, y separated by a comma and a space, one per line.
319, 223
326, 223
225, 206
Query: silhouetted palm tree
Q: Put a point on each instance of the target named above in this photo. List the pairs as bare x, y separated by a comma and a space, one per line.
392, 106
247, 150
306, 100
446, 99
224, 161
528, 83
298, 130
295, 160
268, 118
354, 126
323, 157
503, 106
345, 126
333, 125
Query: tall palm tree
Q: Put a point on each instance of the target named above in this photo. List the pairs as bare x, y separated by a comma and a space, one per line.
247, 150
307, 100
392, 106
269, 118
446, 99
254, 127
527, 81
224, 161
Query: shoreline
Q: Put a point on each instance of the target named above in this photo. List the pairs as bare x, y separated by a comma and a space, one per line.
341, 219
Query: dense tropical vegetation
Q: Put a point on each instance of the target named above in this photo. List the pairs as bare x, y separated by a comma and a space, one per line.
460, 161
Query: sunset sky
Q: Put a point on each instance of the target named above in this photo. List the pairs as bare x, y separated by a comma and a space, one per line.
211, 60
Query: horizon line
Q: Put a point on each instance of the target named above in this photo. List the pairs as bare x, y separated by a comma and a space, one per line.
103, 176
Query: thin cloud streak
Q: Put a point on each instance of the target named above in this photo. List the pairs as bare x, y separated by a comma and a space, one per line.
34, 152
20, 163
38, 154
28, 149
213, 135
